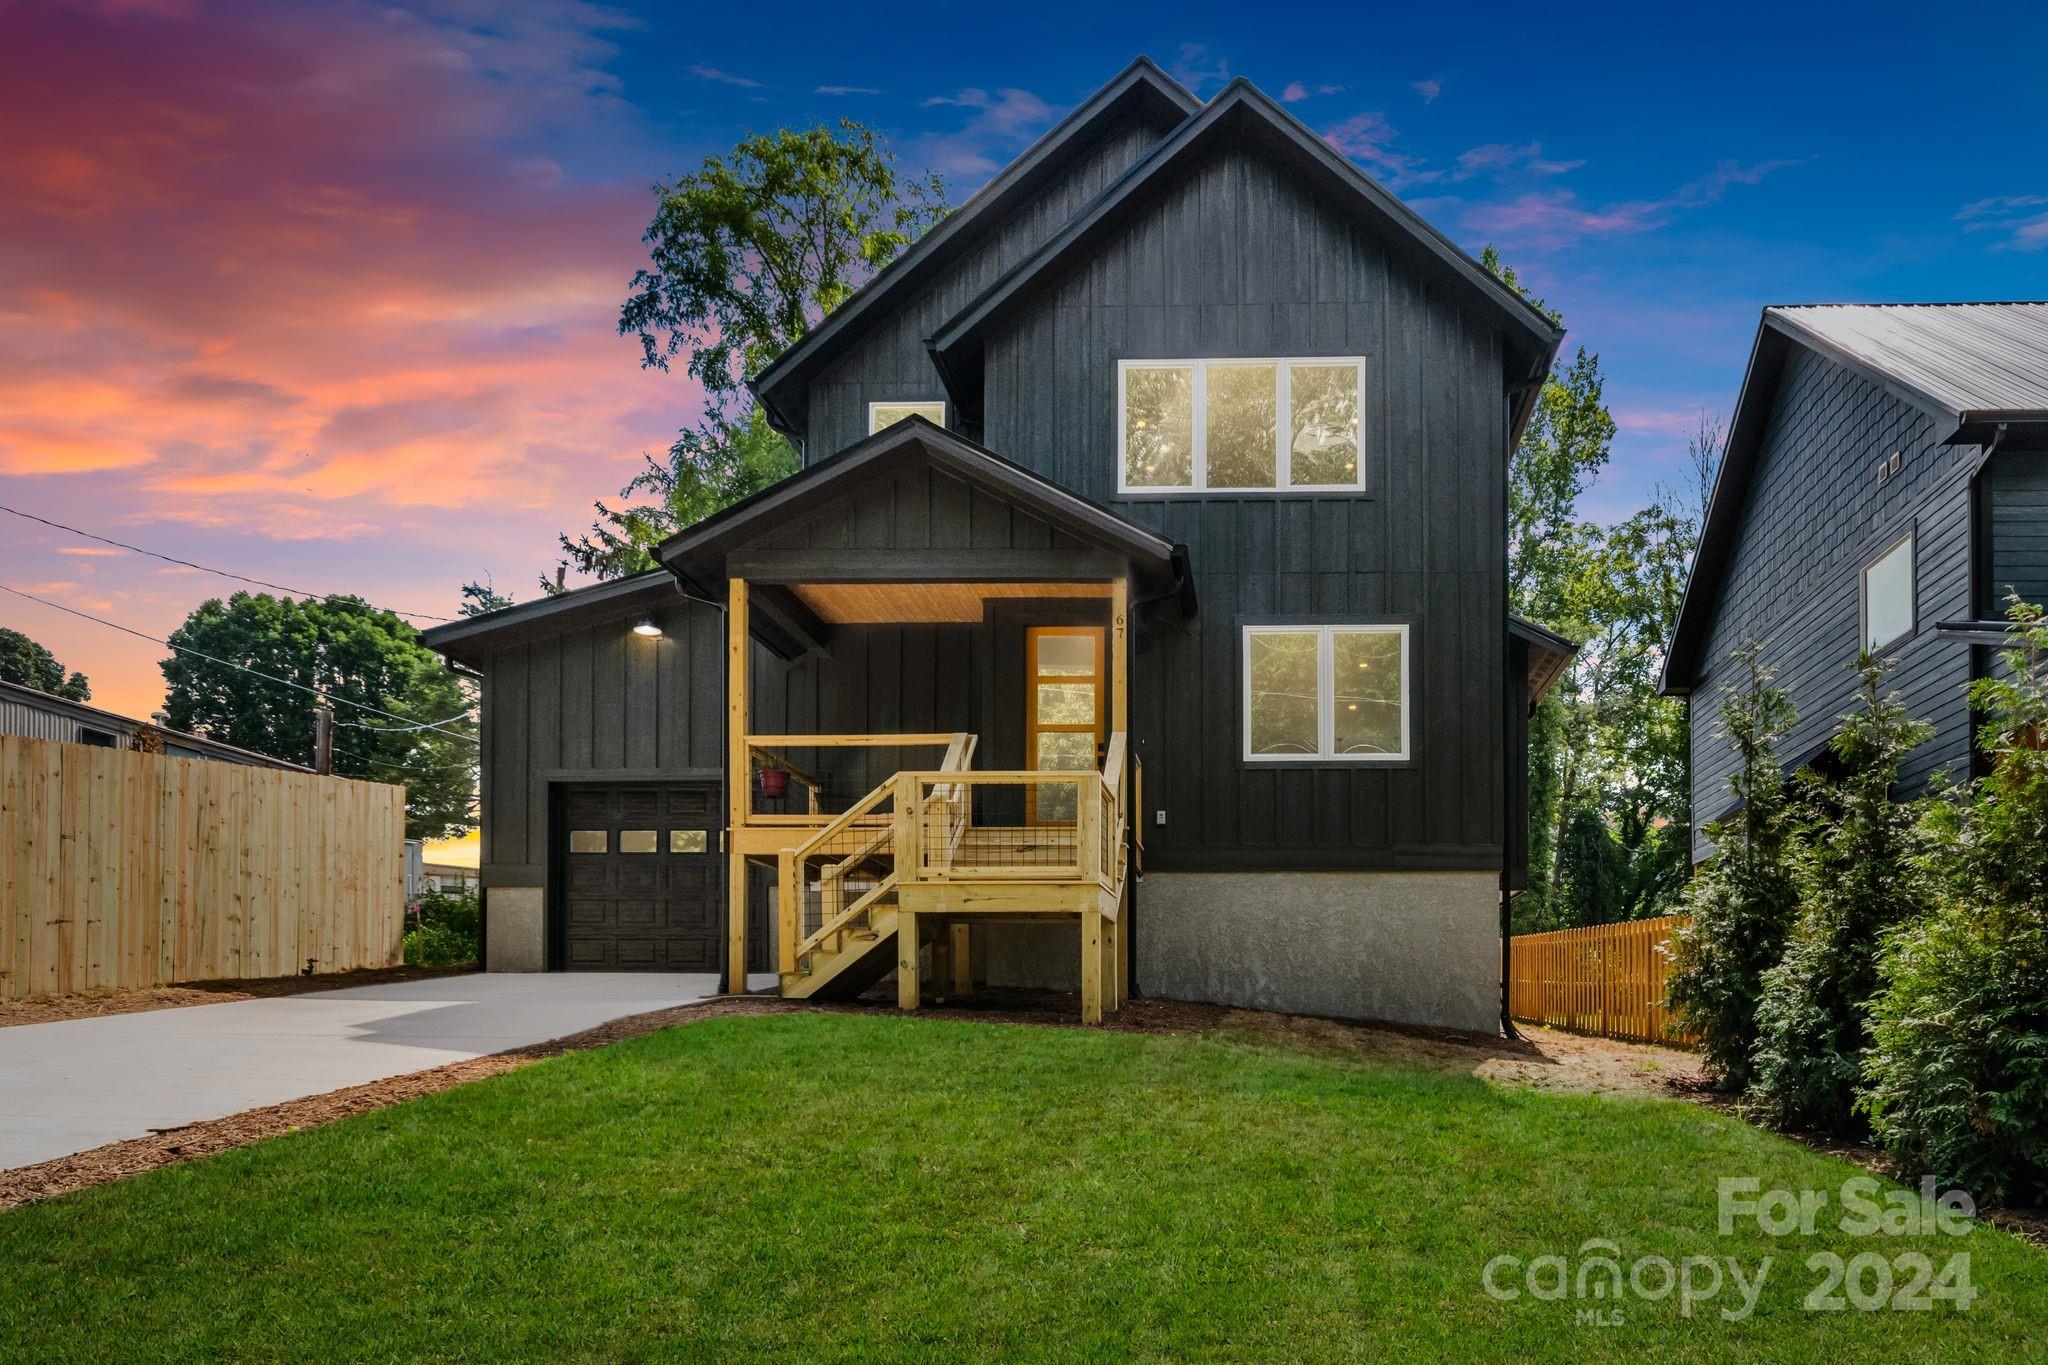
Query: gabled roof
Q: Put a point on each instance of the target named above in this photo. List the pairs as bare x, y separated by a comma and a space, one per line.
1973, 365
696, 555
1140, 90
1242, 109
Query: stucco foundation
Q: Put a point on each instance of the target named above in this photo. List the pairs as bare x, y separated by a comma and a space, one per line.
516, 940
1412, 948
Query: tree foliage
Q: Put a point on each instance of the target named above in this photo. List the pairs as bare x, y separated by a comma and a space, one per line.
1859, 876
747, 253
1957, 1073
28, 664
1741, 904
1609, 759
354, 656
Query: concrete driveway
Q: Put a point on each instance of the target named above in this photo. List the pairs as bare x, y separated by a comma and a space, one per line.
69, 1086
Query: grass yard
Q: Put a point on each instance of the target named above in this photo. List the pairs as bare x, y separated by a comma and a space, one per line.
852, 1186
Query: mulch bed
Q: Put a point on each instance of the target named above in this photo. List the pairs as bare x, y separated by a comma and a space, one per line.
51, 1009
1543, 1058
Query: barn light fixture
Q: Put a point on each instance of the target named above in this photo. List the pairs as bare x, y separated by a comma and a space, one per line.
648, 628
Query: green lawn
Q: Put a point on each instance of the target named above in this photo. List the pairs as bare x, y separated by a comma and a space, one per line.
873, 1187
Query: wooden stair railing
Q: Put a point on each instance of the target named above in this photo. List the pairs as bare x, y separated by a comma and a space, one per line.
873, 835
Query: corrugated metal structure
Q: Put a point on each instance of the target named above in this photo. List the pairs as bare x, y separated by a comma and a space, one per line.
32, 714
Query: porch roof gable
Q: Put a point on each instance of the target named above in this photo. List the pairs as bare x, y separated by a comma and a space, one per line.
1094, 542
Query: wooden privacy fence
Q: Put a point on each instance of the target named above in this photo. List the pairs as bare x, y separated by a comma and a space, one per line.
122, 869
1606, 979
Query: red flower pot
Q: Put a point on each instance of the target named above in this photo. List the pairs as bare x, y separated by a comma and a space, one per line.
774, 783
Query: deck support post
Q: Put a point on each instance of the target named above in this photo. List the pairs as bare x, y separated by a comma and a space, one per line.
962, 964
1091, 966
1120, 723
737, 799
908, 986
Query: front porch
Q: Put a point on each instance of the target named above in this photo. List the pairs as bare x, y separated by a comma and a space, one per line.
919, 578
898, 879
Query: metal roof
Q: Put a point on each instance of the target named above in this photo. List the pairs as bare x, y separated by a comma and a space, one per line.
1978, 361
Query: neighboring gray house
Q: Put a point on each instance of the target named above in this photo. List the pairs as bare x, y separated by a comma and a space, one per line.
34, 714
1138, 618
1885, 482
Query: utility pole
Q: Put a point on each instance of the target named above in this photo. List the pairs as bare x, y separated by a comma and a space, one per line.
323, 740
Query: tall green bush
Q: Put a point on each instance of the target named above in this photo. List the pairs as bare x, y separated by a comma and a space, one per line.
1742, 902
1957, 1074
443, 928
1859, 876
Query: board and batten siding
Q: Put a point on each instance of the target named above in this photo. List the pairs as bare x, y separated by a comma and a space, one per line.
1237, 259
122, 870
1815, 515
595, 703
890, 363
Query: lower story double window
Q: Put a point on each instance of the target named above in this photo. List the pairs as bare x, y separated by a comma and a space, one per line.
1336, 694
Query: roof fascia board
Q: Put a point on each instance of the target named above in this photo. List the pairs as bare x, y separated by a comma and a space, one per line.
1240, 99
452, 637
952, 234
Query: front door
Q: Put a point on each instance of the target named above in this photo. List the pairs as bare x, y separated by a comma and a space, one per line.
1063, 710
642, 879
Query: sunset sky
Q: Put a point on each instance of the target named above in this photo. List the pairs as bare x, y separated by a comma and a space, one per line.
326, 294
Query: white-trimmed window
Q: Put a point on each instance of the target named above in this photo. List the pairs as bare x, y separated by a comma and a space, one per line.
1333, 694
1888, 606
1272, 425
882, 415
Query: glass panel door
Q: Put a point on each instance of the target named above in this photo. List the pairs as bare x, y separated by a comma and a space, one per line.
1063, 711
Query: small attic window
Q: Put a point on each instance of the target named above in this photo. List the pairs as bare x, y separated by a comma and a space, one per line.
881, 415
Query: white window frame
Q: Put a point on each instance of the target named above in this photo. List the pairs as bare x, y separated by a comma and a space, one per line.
1283, 431
945, 412
1906, 539
1326, 699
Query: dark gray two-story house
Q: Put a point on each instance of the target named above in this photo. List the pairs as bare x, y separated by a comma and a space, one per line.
1138, 619
1885, 483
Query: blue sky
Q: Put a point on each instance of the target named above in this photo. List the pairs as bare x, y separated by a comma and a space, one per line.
1660, 177
342, 313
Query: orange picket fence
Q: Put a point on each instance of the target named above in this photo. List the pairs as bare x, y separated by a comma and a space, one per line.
1606, 979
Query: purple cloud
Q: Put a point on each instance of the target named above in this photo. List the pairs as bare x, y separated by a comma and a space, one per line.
1557, 219
2021, 218
1003, 124
1429, 90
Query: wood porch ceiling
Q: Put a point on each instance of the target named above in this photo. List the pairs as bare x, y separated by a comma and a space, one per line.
873, 604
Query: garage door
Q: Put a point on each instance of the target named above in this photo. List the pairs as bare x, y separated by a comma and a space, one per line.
642, 879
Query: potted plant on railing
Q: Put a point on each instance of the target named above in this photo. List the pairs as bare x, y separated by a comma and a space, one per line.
773, 782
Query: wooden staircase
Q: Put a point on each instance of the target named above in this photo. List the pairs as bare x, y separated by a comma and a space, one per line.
876, 884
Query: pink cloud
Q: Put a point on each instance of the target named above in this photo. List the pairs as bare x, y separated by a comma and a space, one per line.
1429, 90
302, 279
1556, 218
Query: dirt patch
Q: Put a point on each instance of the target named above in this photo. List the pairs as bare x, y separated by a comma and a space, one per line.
51, 1009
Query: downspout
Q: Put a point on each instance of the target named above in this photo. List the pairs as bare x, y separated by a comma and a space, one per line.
1183, 586
1507, 926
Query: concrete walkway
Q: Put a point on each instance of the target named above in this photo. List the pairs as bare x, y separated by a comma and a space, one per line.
69, 1086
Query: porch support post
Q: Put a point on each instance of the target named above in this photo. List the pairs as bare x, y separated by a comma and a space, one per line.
963, 965
1127, 810
736, 798
908, 986
1091, 966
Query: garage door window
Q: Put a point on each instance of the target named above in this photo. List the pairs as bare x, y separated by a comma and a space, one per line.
589, 841
638, 841
689, 841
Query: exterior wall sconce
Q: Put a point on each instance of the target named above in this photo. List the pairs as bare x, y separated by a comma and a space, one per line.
646, 627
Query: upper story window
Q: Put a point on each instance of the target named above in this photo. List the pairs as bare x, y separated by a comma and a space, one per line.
1888, 606
882, 415
1328, 693
1243, 425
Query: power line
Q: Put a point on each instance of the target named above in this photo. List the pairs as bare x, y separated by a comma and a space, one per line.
229, 663
205, 568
